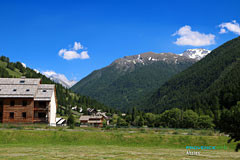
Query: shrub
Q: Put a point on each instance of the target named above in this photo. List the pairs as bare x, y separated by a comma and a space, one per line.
71, 121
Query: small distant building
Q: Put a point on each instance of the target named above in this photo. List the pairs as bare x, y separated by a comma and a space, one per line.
91, 111
76, 109
123, 114
26, 100
91, 120
61, 121
80, 109
84, 120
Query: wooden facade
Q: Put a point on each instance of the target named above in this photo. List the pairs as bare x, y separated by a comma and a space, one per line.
22, 110
1, 111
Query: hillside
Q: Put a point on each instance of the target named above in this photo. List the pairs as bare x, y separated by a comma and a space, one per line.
65, 97
208, 86
124, 82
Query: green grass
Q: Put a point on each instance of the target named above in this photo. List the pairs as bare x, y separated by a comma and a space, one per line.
92, 143
15, 73
105, 153
3, 64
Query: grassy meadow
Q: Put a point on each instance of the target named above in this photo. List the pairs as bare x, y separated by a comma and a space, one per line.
117, 144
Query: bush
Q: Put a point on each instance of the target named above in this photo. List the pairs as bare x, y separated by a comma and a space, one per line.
204, 121
71, 121
190, 119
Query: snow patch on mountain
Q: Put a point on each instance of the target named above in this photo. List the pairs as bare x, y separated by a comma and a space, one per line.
24, 65
196, 54
130, 62
37, 71
59, 78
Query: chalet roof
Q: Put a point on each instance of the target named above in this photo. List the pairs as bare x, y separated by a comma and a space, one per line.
90, 118
25, 91
95, 117
20, 81
84, 118
60, 120
25, 88
44, 92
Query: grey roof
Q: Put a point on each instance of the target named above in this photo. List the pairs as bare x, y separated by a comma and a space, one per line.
84, 118
17, 90
19, 81
95, 117
44, 92
60, 120
25, 88
90, 118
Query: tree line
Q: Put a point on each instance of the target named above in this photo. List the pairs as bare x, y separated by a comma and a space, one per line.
174, 118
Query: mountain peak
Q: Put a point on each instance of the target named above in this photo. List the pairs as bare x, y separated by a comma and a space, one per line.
150, 57
129, 63
196, 54
59, 78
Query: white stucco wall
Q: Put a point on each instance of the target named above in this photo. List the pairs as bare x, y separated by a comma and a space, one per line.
53, 108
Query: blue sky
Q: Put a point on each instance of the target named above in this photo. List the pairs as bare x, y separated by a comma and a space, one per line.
35, 31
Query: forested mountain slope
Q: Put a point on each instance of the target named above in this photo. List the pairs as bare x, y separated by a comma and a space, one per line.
123, 83
208, 86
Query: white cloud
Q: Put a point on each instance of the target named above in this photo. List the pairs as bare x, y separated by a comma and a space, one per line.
68, 55
84, 55
230, 26
61, 52
193, 38
77, 46
222, 30
74, 53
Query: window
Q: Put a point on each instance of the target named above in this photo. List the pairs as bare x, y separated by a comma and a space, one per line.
24, 103
12, 103
24, 115
42, 104
1, 103
41, 115
11, 115
44, 90
22, 81
27, 90
14, 90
